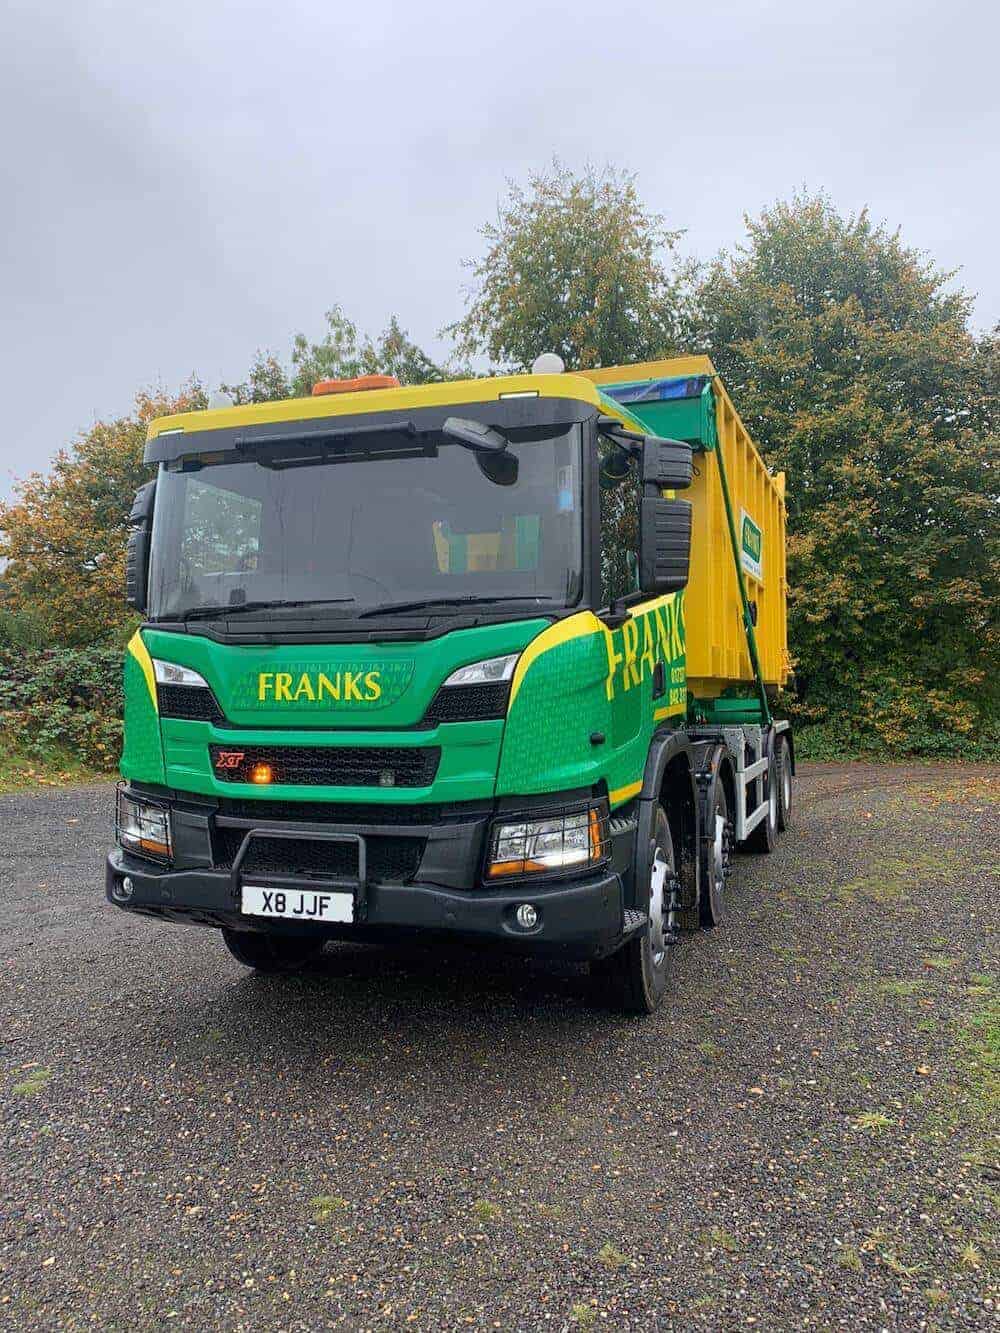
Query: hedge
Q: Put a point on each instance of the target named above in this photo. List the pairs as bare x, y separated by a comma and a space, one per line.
62, 698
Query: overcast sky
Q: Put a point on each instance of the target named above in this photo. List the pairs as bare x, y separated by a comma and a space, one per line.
183, 183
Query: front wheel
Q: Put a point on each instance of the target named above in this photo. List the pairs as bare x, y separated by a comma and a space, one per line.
271, 953
635, 978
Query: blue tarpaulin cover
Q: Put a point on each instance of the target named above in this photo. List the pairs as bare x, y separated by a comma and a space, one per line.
651, 391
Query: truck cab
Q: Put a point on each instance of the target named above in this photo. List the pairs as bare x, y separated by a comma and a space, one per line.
414, 660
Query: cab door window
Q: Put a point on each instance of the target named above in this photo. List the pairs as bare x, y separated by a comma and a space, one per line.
620, 496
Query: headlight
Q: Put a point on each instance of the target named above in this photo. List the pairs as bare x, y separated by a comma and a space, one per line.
491, 672
143, 828
556, 842
167, 673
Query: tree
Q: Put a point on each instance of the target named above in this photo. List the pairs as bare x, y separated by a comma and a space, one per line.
853, 365
341, 354
396, 354
574, 265
266, 382
64, 533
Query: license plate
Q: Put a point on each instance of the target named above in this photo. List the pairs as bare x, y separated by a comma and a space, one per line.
298, 904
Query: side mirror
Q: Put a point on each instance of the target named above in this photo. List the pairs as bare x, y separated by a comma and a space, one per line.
664, 545
500, 468
137, 550
666, 463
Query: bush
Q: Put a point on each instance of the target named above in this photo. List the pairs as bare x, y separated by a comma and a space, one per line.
21, 629
883, 717
62, 698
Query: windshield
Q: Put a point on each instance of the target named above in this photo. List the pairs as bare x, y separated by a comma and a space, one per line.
370, 532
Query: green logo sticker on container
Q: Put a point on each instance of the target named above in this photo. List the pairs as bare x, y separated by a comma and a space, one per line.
751, 546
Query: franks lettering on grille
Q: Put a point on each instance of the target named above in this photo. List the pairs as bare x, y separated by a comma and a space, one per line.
344, 686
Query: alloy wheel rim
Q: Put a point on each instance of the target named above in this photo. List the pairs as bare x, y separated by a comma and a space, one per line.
657, 907
719, 857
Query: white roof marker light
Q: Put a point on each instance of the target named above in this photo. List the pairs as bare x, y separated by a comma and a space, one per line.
549, 363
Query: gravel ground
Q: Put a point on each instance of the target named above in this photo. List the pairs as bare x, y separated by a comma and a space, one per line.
799, 1139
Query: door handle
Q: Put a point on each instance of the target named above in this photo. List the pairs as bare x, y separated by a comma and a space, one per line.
659, 680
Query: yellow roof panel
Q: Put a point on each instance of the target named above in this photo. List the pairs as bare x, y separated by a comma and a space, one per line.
409, 397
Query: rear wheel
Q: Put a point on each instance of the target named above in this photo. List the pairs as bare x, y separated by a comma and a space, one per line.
635, 978
717, 853
271, 953
783, 768
765, 835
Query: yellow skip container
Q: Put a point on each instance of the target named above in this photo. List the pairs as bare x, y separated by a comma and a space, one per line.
683, 398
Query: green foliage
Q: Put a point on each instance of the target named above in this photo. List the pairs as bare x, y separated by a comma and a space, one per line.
573, 265
881, 717
872, 1122
64, 533
266, 382
326, 1206
33, 1084
341, 354
55, 699
22, 629
979, 1042
853, 367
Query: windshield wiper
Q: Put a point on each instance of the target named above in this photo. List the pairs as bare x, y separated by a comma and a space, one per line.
425, 602
206, 612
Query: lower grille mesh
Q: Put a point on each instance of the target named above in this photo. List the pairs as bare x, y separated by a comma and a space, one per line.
191, 702
329, 765
389, 860
467, 703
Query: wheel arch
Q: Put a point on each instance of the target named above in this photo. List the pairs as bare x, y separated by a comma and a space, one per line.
715, 764
670, 780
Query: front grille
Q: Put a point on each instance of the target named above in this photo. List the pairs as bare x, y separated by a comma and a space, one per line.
468, 703
193, 703
391, 860
452, 703
329, 765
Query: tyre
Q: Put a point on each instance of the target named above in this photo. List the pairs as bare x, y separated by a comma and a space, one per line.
635, 978
783, 771
271, 953
716, 855
765, 835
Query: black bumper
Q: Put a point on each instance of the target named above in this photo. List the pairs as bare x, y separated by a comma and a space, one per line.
582, 918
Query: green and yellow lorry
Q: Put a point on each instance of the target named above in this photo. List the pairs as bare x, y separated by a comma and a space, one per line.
492, 659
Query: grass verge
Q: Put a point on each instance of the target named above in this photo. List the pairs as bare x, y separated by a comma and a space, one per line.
979, 1047
56, 768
